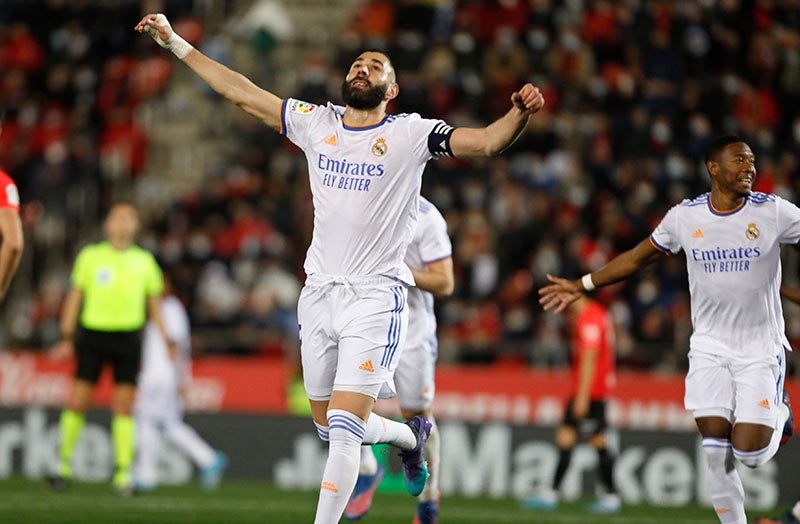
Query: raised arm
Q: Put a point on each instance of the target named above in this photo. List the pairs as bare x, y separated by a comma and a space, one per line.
563, 292
232, 85
500, 134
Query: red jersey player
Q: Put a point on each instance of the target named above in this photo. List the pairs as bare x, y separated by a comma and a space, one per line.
593, 379
10, 229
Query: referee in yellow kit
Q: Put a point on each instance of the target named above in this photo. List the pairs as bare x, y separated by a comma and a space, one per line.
115, 285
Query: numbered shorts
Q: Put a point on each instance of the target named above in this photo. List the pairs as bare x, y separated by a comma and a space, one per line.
121, 349
351, 335
414, 377
743, 390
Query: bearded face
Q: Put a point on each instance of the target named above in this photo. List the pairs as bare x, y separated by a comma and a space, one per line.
359, 93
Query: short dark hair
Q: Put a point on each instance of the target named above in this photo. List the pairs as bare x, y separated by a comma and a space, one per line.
384, 53
718, 144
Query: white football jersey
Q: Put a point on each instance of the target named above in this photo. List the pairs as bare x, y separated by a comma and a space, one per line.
734, 267
431, 243
157, 366
365, 183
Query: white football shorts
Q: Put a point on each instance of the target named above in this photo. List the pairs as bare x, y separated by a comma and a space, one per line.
414, 377
158, 401
742, 390
352, 331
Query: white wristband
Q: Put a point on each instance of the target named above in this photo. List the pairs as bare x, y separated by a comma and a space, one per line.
586, 280
179, 46
176, 43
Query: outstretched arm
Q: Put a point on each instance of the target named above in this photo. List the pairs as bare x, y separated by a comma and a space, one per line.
563, 292
232, 85
500, 134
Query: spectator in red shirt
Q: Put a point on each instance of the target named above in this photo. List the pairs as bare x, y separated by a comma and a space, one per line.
593, 379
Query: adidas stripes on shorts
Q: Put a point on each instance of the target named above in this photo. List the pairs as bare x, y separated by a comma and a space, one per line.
352, 331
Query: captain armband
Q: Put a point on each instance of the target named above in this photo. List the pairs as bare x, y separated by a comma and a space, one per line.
439, 140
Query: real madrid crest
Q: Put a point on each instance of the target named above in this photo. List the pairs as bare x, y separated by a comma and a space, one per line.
752, 232
379, 148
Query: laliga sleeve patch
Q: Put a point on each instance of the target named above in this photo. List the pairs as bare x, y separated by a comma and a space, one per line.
300, 107
439, 140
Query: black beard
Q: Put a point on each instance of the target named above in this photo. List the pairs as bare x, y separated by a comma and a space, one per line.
363, 99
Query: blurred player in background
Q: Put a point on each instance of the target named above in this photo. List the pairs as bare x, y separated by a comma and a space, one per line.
115, 285
365, 169
13, 240
593, 379
731, 237
163, 380
429, 257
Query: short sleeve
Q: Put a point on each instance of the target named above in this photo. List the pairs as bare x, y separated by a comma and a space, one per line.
155, 279
433, 240
430, 138
788, 222
9, 195
590, 334
665, 236
81, 272
297, 118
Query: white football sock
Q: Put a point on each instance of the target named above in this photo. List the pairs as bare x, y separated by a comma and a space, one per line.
187, 439
322, 432
432, 454
346, 432
148, 443
369, 464
724, 484
381, 430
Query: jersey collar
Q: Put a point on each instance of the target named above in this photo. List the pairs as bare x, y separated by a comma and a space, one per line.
715, 211
366, 127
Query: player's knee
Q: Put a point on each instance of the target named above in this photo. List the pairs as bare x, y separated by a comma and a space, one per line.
752, 459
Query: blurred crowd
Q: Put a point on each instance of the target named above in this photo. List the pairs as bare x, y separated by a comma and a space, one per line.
635, 90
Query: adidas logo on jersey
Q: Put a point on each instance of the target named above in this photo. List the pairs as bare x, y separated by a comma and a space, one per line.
331, 140
367, 366
698, 234
764, 403
330, 486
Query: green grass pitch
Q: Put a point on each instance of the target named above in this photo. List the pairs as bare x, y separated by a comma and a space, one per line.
243, 502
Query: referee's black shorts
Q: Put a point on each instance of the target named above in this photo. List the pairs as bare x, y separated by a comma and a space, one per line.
595, 421
122, 349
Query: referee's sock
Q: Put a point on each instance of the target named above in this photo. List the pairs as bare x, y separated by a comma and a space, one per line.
70, 425
122, 435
